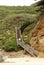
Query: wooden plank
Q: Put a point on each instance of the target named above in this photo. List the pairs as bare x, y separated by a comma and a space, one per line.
28, 48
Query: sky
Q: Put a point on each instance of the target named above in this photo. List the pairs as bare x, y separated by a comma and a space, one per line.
17, 2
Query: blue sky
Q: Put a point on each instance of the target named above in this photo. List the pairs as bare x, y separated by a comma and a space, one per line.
17, 2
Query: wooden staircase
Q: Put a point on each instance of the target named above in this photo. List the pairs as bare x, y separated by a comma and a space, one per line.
26, 47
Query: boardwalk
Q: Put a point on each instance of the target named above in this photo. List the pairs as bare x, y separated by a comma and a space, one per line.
26, 47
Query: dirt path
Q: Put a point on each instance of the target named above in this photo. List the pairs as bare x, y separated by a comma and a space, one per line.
16, 54
20, 54
20, 58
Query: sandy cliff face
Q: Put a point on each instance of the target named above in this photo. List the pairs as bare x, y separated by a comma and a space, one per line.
37, 37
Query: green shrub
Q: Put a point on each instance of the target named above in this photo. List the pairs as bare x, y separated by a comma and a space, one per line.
11, 45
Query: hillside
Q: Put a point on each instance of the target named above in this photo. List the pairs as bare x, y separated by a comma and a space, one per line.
11, 16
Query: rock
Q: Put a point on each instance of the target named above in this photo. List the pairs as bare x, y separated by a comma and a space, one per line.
37, 41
